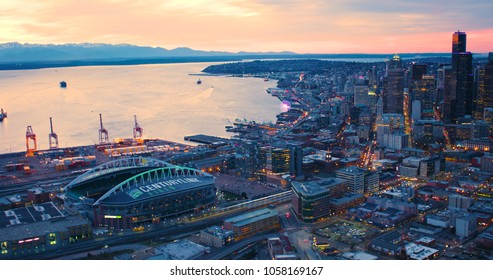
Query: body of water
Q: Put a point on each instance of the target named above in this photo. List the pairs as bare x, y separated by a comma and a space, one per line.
168, 102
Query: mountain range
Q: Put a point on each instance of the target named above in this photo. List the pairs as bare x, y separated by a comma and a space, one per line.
17, 52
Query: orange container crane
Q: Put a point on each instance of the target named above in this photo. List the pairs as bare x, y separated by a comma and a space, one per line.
30, 137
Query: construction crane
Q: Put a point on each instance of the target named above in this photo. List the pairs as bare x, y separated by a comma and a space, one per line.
138, 131
52, 137
103, 133
30, 136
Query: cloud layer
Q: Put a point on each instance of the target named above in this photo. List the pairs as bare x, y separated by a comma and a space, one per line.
315, 26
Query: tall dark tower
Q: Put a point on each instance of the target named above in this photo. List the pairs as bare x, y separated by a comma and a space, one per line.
461, 94
459, 42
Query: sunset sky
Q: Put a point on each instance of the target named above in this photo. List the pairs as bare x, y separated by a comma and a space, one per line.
303, 26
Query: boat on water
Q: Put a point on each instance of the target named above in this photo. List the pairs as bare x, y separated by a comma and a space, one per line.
63, 84
199, 81
3, 114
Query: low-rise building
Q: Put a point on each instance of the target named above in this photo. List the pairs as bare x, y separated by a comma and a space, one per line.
390, 243
280, 248
216, 236
20, 240
420, 252
252, 222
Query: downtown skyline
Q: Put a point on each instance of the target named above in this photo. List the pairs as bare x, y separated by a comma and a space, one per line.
258, 26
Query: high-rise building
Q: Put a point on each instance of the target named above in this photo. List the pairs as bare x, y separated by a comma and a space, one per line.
484, 88
444, 89
461, 94
424, 91
359, 180
313, 200
394, 93
459, 42
296, 160
247, 158
395, 63
379, 109
418, 70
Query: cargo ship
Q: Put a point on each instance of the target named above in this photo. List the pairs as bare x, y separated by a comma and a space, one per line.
3, 115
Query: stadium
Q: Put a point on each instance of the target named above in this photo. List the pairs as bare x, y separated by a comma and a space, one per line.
94, 183
148, 197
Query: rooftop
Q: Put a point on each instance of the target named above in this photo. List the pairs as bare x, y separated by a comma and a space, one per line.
164, 187
32, 230
348, 197
316, 187
29, 214
419, 252
218, 231
181, 250
251, 217
359, 256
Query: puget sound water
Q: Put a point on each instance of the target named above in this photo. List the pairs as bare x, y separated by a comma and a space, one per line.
167, 100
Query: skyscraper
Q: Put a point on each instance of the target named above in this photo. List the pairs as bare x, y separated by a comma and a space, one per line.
484, 88
424, 91
394, 94
459, 42
461, 94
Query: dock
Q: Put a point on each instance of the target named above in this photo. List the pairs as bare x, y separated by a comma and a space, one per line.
207, 139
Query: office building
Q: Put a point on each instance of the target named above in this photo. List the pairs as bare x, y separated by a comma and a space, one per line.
394, 92
461, 94
312, 200
359, 180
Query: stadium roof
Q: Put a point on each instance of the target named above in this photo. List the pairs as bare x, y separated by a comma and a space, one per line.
116, 166
154, 183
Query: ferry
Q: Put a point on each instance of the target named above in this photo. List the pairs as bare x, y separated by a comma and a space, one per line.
3, 114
